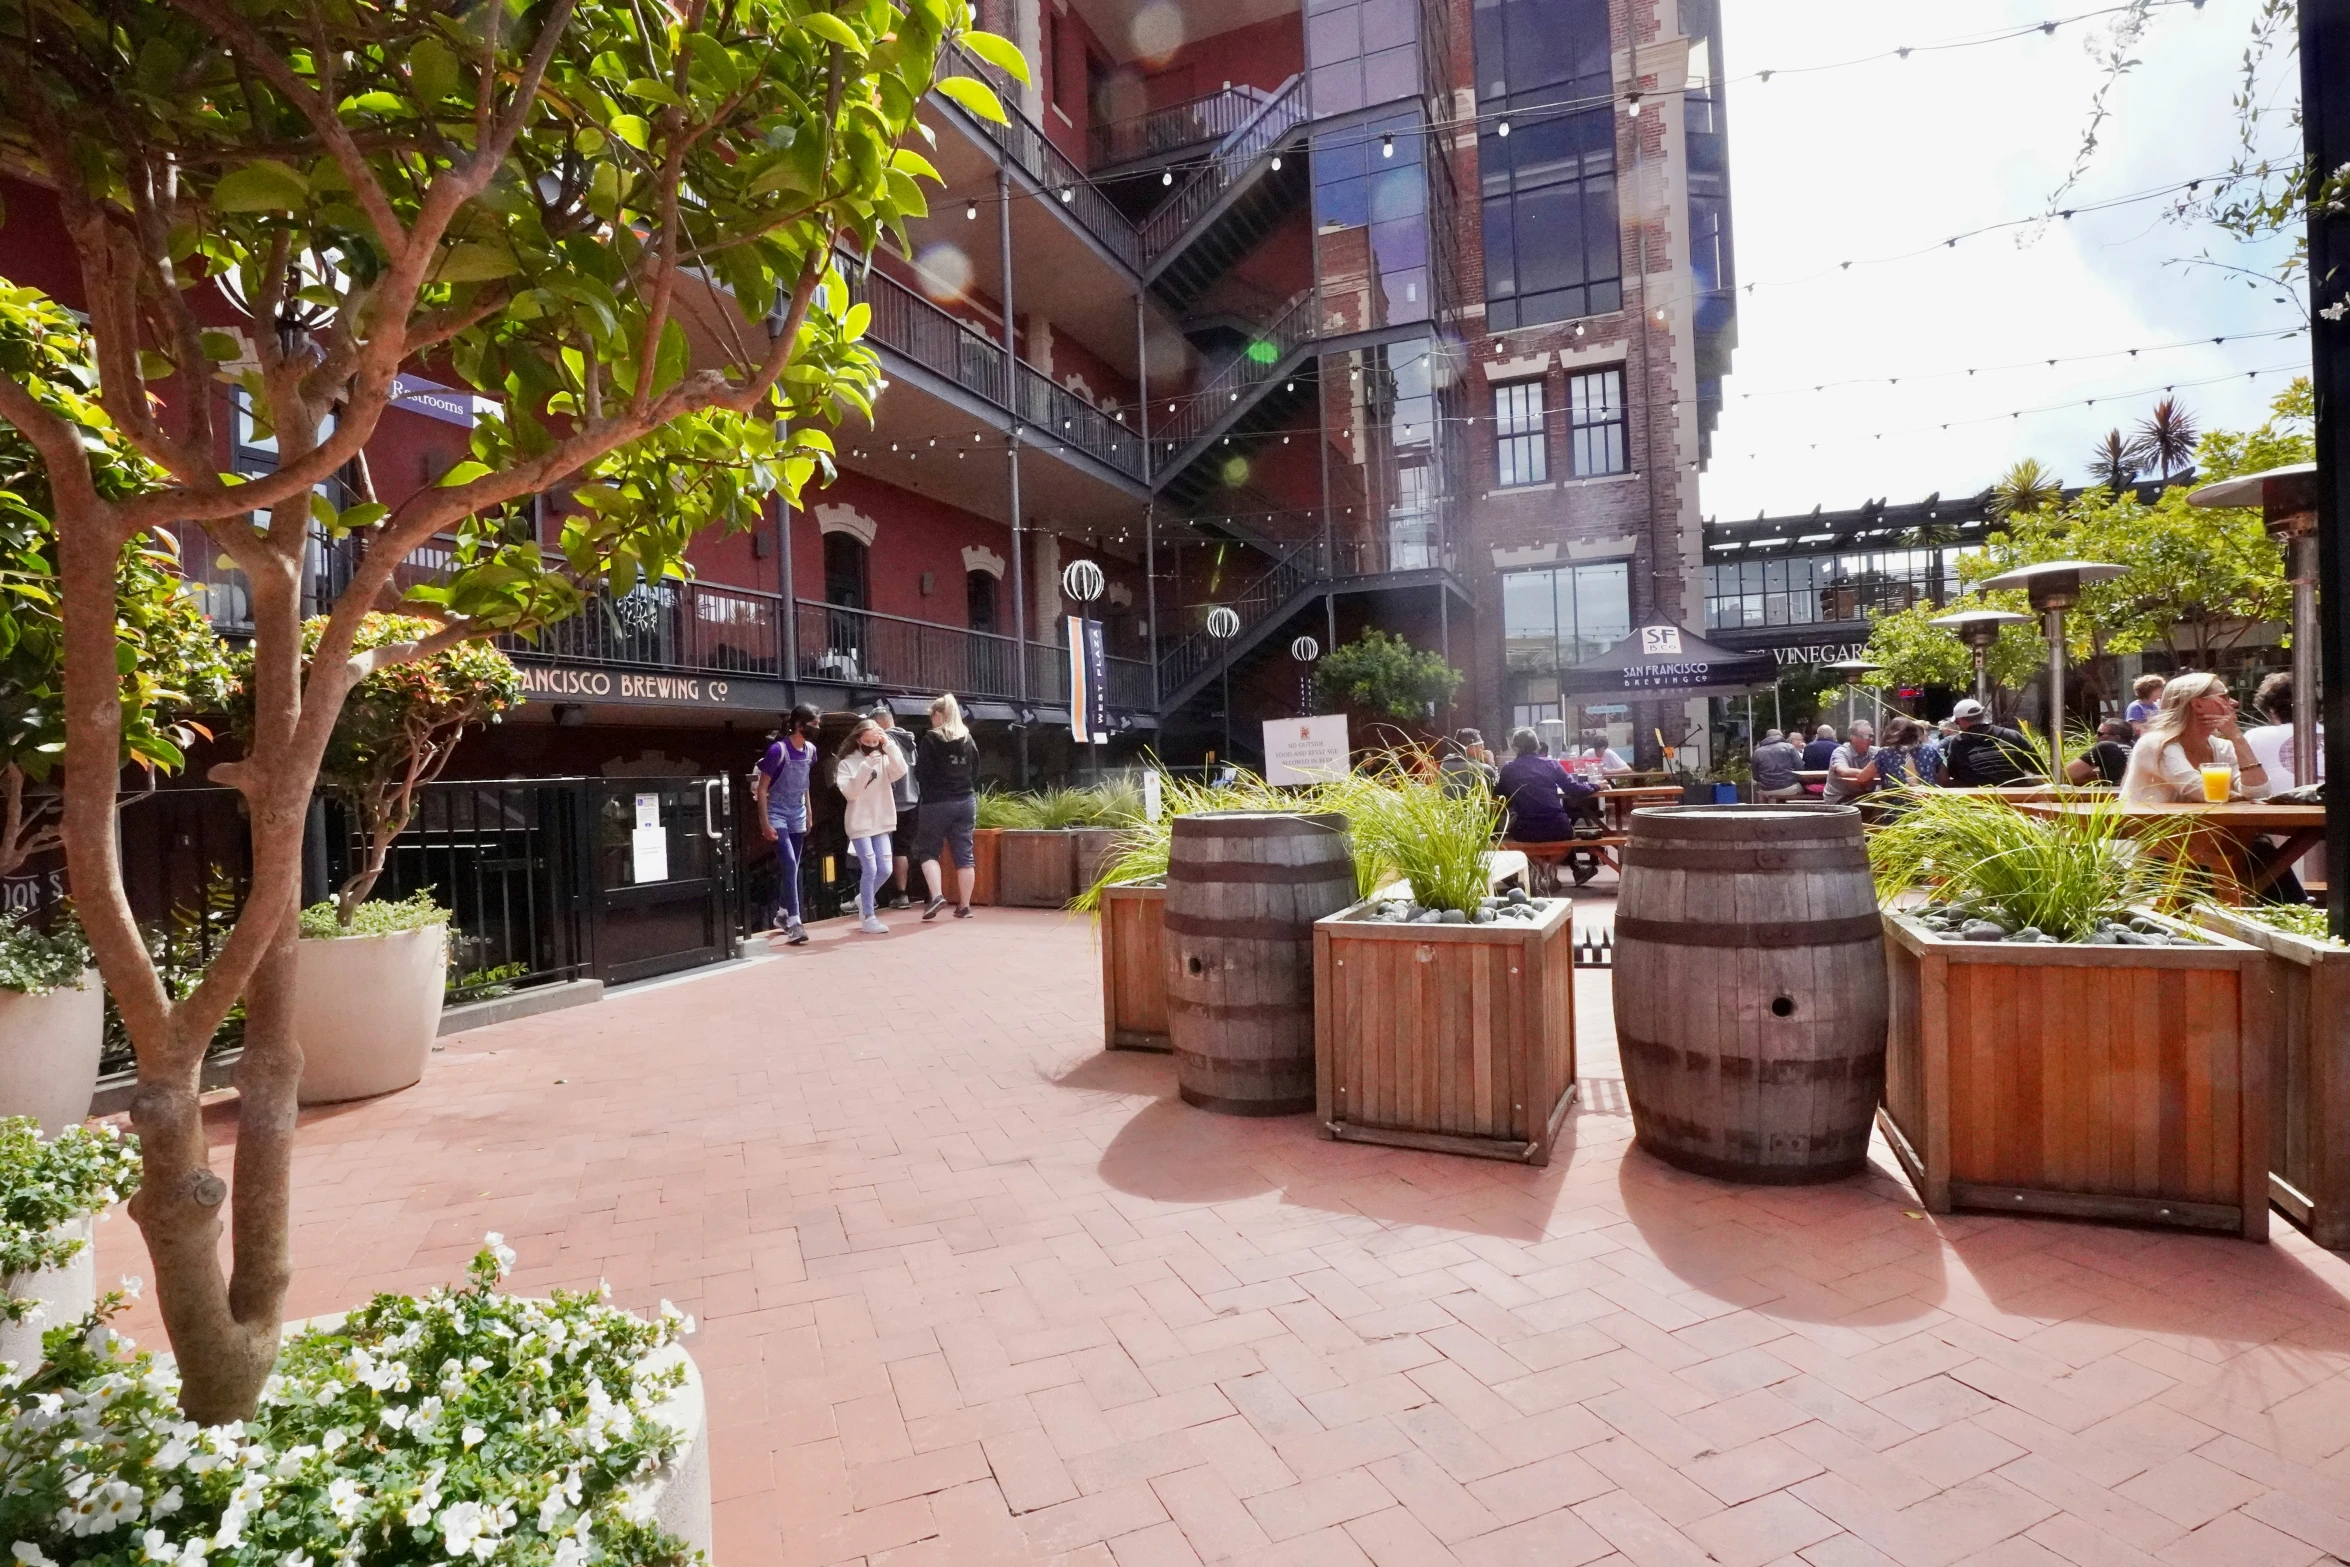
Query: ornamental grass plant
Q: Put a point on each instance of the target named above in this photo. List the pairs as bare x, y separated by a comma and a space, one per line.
2063, 874
1142, 849
1409, 825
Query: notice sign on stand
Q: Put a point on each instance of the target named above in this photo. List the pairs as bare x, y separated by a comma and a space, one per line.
1306, 750
649, 843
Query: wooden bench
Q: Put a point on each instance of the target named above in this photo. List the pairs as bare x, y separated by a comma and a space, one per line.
1544, 859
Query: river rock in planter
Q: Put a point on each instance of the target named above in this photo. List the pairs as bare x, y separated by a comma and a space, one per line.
49, 1047
65, 1294
366, 1009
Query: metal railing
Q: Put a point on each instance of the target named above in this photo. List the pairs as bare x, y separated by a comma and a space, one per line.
905, 323
670, 625
1254, 138
860, 647
1288, 576
1255, 366
1209, 117
1028, 147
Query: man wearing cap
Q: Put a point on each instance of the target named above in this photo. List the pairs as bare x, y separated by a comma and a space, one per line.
1983, 754
1775, 763
1468, 764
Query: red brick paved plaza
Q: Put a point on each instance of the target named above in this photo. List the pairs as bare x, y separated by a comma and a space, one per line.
973, 1292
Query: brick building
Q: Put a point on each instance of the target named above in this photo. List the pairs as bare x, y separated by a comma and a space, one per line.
1335, 313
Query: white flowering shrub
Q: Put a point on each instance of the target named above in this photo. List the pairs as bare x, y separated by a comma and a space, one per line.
466, 1425
82, 1170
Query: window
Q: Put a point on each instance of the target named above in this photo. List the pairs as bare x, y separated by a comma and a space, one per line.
844, 571
1049, 45
1360, 53
1552, 250
1518, 445
979, 600
1595, 423
1555, 617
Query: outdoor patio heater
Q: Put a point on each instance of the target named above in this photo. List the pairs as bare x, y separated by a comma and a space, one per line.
1854, 671
2287, 498
1978, 629
2054, 586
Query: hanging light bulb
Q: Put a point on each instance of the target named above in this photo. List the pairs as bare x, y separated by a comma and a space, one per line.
971, 211
1068, 194
1578, 329
1632, 106
1503, 129
1387, 145
1167, 176
1276, 163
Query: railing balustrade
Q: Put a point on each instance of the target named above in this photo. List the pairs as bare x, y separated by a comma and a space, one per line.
1033, 151
1209, 117
1253, 367
1234, 156
1289, 576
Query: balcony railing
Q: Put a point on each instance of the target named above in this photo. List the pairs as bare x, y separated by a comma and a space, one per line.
1288, 576
1211, 117
1029, 148
859, 647
697, 626
907, 324
1235, 155
1237, 382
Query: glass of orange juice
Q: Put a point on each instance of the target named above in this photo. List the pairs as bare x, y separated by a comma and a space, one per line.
2216, 778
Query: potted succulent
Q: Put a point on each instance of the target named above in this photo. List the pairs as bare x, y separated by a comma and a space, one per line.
2057, 1043
1444, 1014
52, 1193
467, 1424
52, 1023
2309, 1059
370, 978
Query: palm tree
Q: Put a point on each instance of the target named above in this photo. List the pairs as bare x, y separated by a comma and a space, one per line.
2024, 489
2166, 438
2113, 462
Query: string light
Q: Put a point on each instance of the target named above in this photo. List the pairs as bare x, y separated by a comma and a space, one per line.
2028, 364
1387, 145
971, 211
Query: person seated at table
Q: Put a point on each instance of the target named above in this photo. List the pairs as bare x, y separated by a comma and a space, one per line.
1984, 755
1816, 755
1852, 766
2108, 757
1775, 762
1592, 754
1468, 765
1910, 756
2272, 742
2195, 727
1543, 800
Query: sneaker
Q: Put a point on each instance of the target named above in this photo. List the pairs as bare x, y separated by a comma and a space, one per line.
871, 925
901, 901
796, 935
962, 911
930, 909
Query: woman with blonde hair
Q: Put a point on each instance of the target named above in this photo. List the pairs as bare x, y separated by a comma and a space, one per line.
866, 767
2193, 727
946, 775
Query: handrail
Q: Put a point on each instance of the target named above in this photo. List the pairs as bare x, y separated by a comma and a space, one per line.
1029, 147
1234, 156
1288, 576
1195, 417
1208, 117
863, 647
906, 323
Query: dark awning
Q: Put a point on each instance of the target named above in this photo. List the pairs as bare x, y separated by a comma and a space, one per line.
1668, 660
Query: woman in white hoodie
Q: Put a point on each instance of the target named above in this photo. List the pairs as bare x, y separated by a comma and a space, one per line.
866, 767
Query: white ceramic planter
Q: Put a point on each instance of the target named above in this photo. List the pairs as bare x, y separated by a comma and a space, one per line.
49, 1048
366, 1009
65, 1294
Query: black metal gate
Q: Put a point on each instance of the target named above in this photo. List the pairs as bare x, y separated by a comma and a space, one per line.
662, 878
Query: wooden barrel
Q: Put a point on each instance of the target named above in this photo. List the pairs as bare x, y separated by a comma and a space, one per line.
1243, 891
1750, 990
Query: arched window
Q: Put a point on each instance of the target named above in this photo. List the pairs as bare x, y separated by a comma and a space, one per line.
845, 580
979, 599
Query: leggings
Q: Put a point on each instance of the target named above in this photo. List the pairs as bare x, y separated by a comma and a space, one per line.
873, 868
790, 844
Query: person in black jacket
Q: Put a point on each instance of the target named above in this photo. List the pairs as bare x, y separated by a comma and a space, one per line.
1984, 754
946, 775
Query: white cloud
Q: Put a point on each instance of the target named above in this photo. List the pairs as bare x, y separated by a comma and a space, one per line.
1900, 155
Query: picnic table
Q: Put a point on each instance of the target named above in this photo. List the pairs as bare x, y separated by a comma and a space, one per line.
2223, 836
1616, 804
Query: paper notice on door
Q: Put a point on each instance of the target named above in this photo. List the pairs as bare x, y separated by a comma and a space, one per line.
648, 811
650, 850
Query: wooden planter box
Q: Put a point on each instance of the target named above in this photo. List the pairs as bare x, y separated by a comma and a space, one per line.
2125, 1083
1036, 868
1455, 1038
1134, 966
2308, 1074
983, 865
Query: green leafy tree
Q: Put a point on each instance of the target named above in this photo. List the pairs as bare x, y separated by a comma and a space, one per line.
171, 667
1385, 674
1915, 652
537, 196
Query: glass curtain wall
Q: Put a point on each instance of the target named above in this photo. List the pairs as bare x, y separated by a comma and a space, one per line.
1553, 618
1546, 159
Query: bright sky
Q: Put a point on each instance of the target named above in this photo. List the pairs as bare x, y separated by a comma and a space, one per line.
1899, 155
